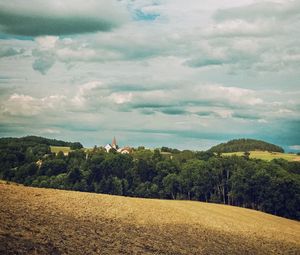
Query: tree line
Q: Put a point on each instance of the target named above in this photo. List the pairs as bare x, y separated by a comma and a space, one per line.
272, 187
29, 142
246, 145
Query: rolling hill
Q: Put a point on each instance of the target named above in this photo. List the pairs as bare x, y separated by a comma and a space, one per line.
266, 155
57, 149
245, 145
47, 221
30, 141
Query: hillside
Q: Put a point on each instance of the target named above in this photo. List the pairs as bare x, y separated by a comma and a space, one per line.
56, 149
266, 155
46, 221
32, 141
202, 176
245, 145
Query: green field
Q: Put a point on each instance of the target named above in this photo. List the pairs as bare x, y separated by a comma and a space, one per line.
266, 155
56, 149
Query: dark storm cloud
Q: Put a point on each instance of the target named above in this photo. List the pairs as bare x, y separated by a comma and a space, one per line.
36, 18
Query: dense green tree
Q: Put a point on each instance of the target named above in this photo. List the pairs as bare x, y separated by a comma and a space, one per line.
24, 171
53, 167
273, 187
246, 145
171, 184
116, 186
74, 175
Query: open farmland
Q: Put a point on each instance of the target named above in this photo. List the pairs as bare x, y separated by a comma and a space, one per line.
64, 149
47, 221
266, 155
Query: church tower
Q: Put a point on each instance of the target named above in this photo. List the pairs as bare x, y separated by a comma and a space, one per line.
114, 143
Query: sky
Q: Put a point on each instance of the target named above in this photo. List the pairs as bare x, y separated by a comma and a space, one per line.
183, 74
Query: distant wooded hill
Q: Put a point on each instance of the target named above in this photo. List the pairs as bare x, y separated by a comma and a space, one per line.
36, 141
270, 186
245, 145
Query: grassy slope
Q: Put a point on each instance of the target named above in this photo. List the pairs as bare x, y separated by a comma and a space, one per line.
45, 221
65, 149
265, 155
57, 149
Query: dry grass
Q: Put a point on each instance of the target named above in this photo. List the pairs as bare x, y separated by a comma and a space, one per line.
57, 149
46, 221
265, 155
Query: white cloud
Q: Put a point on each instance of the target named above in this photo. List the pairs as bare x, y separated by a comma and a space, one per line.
261, 10
175, 66
25, 105
233, 95
262, 121
120, 98
236, 43
46, 42
242, 28
9, 52
82, 93
295, 147
50, 131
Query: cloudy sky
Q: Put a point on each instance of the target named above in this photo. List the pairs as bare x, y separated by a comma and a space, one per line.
184, 74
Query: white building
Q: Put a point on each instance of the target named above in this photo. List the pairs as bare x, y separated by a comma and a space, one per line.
124, 150
107, 147
114, 145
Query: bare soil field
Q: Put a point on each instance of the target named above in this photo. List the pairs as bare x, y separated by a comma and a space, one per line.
47, 221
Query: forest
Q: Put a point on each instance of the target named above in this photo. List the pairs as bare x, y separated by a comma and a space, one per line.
246, 145
166, 173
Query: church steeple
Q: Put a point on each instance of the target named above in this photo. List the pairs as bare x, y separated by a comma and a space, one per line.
114, 143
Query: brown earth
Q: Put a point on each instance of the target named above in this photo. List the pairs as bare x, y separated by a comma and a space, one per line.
47, 221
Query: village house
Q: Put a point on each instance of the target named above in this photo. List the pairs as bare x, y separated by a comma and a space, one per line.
124, 150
